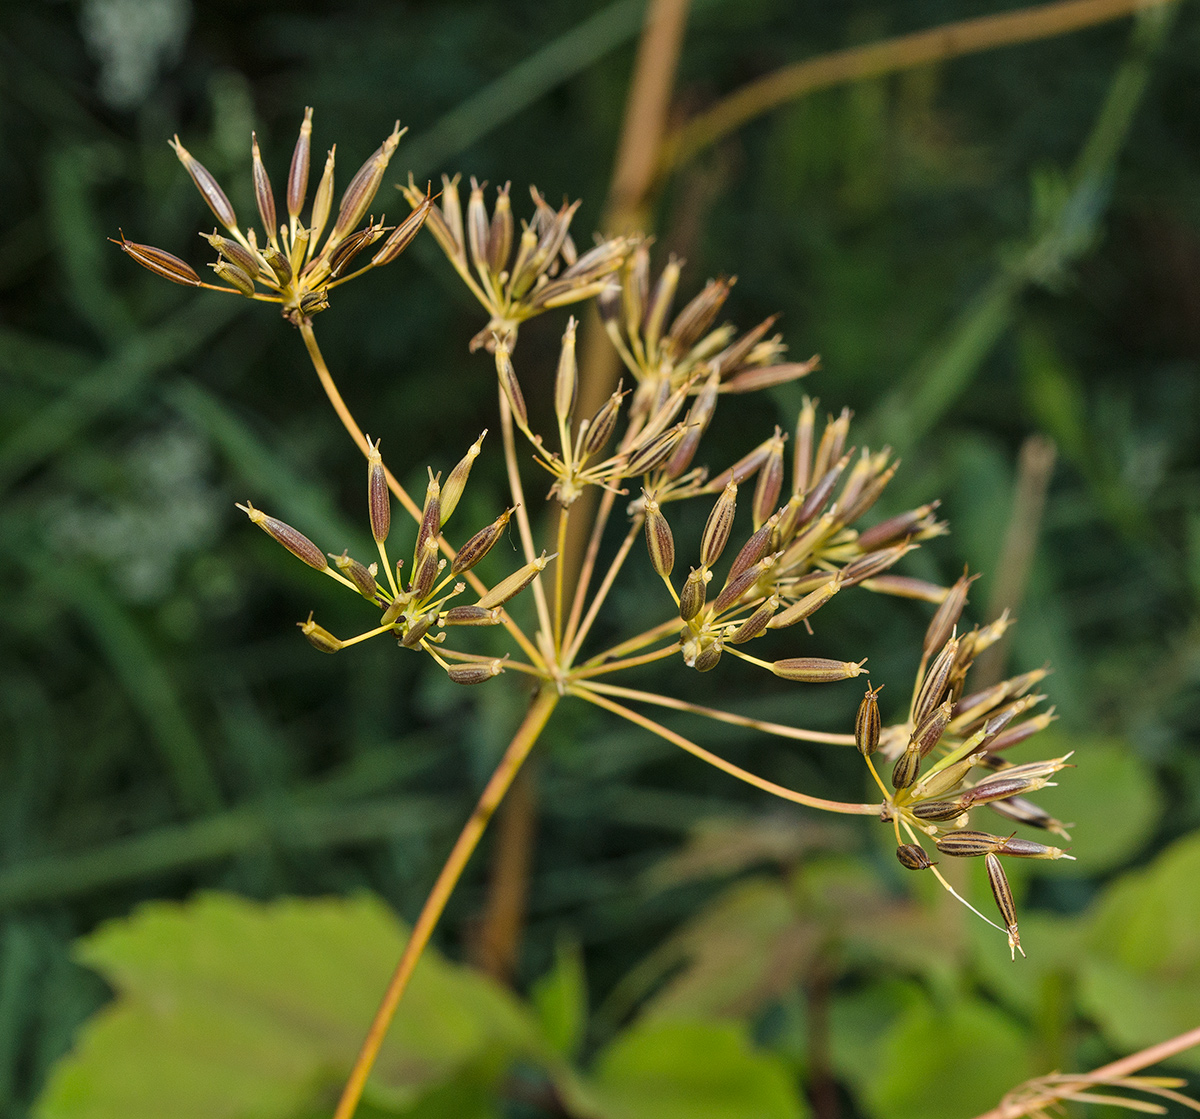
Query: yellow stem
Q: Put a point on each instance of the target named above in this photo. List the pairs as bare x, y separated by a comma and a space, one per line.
664, 629
518, 750
564, 513
628, 662
586, 692
602, 590
780, 729
356, 433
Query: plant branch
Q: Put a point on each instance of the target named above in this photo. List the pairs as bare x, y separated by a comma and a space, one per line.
498, 784
602, 591
588, 693
905, 52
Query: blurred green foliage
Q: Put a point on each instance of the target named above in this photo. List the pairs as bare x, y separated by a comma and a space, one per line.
1004, 244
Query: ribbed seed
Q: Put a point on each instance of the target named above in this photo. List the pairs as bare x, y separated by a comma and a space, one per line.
361, 191
717, 528
402, 236
417, 629
867, 723
697, 421
600, 427
263, 194
480, 544
833, 440
297, 183
654, 452
770, 482
939, 810
816, 500
809, 604
509, 385
379, 500
1004, 901
349, 248
906, 769
753, 550
232, 251
947, 615
941, 782
319, 637
658, 307
659, 541
695, 318
937, 679
707, 658
279, 264
359, 575
816, 670
234, 276
160, 262
323, 199
566, 380
431, 513
475, 673
1003, 787
895, 528
295, 542
515, 583
635, 289
471, 616
477, 227
803, 447
874, 563
425, 570
209, 188
695, 590
869, 494
912, 856
1028, 849
969, 844
756, 624
1022, 811
501, 233
457, 482
735, 589
1017, 734
929, 731
452, 213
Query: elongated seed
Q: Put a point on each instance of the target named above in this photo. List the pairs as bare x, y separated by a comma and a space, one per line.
707, 658
566, 380
867, 723
417, 629
480, 544
478, 231
658, 306
457, 482
816, 500
471, 616
929, 731
906, 769
319, 637
297, 183
601, 425
1004, 901
379, 500
937, 679
809, 604
770, 482
874, 563
695, 318
234, 276
756, 624
361, 191
515, 583
431, 514
263, 194
234, 252
816, 670
912, 856
1023, 811
967, 844
362, 577
208, 187
717, 528
947, 614
468, 674
695, 589
735, 589
402, 236
500, 235
754, 549
425, 569
279, 264
803, 446
895, 528
323, 199
654, 452
295, 542
940, 809
509, 384
452, 213
160, 262
659, 541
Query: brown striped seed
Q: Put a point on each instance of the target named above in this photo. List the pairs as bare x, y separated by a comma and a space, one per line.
208, 187
925, 737
867, 723
361, 191
295, 542
263, 194
475, 673
933, 688
601, 425
402, 236
160, 262
718, 526
515, 583
566, 380
756, 624
817, 670
457, 482
379, 500
323, 199
906, 769
940, 809
234, 276
509, 384
1004, 902
426, 566
471, 616
912, 856
809, 604
362, 577
297, 182
695, 590
480, 544
946, 616
659, 541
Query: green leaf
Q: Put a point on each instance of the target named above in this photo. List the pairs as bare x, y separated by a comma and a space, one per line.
690, 1070
940, 1062
227, 1007
1109, 800
561, 1000
1142, 968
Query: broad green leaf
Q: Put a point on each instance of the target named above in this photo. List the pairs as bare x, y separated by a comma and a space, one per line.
690, 1070
561, 1000
944, 1062
1109, 799
228, 1008
1140, 976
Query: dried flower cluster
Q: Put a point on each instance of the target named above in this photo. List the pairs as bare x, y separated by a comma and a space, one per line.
801, 546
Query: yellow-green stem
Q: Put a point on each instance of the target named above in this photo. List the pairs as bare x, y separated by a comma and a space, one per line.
498, 784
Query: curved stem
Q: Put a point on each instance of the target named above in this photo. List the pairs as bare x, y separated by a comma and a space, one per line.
846, 809
518, 750
780, 729
356, 433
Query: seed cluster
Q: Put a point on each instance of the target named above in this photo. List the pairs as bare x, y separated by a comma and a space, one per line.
286, 267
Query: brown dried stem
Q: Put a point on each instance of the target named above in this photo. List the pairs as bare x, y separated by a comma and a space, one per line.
905, 52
